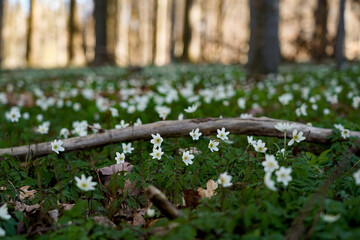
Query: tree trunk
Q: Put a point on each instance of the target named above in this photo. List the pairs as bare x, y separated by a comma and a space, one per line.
320, 33
264, 52
155, 17
100, 15
173, 29
340, 37
71, 31
1, 27
29, 37
186, 32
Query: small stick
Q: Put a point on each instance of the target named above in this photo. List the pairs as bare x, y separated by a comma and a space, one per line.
161, 202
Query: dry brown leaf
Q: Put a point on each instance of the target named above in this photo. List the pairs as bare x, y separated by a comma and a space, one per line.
54, 214
66, 206
192, 150
25, 193
191, 198
139, 218
102, 220
116, 168
211, 185
21, 207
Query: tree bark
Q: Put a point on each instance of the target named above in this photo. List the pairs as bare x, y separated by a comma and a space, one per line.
1, 27
320, 33
208, 126
264, 51
29, 37
185, 56
100, 15
340, 37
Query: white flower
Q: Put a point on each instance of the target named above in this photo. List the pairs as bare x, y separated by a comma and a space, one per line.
339, 126
245, 115
43, 128
326, 111
181, 116
283, 175
187, 158
157, 153
76, 107
4, 212
283, 127
270, 164
357, 177
259, 146
301, 110
345, 133
157, 140
250, 140
64, 132
127, 148
13, 115
162, 111
56, 146
26, 115
195, 134
114, 112
297, 137
150, 212
285, 98
120, 158
2, 232
356, 102
241, 103
191, 109
122, 124
138, 122
269, 183
213, 145
330, 218
39, 117
84, 183
222, 134
225, 180
96, 127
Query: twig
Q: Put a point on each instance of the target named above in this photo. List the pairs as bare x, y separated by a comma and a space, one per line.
161, 202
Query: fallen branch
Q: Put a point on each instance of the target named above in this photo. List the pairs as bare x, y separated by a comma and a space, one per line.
161, 202
208, 126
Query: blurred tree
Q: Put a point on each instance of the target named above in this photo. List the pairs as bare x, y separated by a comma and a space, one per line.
101, 51
72, 28
319, 38
112, 26
1, 27
185, 56
172, 34
264, 52
340, 37
29, 35
155, 31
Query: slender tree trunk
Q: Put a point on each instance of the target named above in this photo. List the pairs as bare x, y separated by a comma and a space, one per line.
155, 17
340, 37
1, 27
71, 31
100, 16
186, 32
264, 52
29, 37
173, 29
320, 33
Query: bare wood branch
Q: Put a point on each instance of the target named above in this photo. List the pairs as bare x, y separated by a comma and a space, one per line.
161, 202
208, 126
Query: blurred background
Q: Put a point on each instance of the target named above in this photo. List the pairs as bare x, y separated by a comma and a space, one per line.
60, 33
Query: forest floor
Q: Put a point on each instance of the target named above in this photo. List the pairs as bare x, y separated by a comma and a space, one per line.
226, 185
